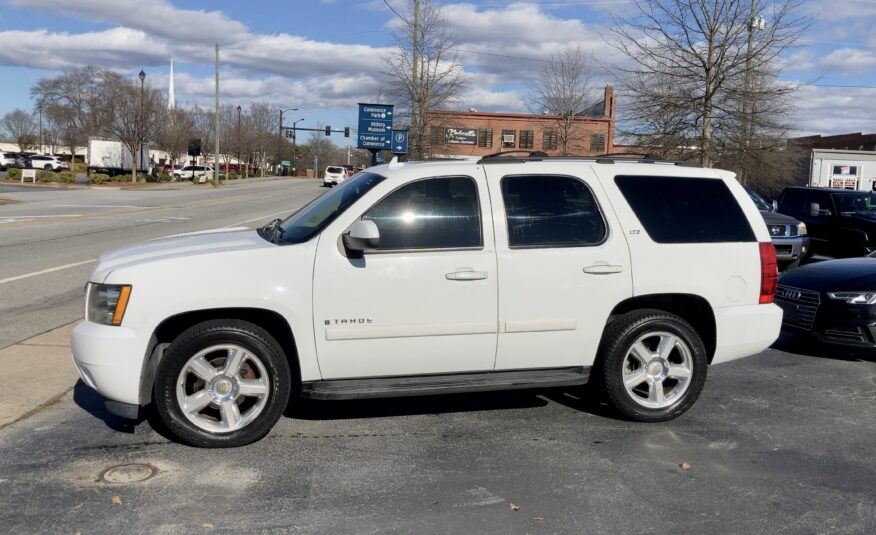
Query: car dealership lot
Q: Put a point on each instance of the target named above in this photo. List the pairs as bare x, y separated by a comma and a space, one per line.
779, 442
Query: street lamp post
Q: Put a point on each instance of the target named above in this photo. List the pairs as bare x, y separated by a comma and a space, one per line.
280, 133
238, 140
140, 121
294, 137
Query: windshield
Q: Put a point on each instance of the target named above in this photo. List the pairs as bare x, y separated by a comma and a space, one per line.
759, 201
315, 216
856, 203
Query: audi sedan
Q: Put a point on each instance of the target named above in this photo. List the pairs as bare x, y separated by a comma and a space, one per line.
832, 302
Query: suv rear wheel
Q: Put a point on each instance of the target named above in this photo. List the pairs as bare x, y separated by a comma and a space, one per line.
222, 383
653, 365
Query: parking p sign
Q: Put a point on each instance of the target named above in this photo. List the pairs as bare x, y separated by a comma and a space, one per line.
399, 142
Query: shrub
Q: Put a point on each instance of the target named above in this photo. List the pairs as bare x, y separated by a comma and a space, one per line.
46, 176
13, 174
122, 178
67, 177
79, 167
99, 178
164, 177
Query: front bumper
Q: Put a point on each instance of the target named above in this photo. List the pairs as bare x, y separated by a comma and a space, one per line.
110, 360
831, 322
792, 249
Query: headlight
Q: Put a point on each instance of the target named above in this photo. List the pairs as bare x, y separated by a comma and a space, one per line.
801, 229
854, 298
106, 303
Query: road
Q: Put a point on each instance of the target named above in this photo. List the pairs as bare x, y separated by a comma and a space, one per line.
781, 442
50, 238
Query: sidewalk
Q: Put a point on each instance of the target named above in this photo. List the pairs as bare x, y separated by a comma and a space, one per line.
36, 371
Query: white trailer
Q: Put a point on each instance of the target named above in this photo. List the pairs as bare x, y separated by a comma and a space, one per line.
114, 157
845, 169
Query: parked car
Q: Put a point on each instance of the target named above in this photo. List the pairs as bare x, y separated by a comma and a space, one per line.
832, 302
190, 172
334, 175
17, 160
635, 276
48, 162
7, 160
789, 236
840, 222
171, 169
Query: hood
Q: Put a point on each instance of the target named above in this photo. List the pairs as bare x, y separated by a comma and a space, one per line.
775, 218
182, 245
834, 275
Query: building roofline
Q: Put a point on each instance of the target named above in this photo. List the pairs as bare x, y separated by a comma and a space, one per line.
528, 116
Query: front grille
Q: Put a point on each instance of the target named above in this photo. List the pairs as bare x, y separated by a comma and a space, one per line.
777, 231
792, 230
800, 306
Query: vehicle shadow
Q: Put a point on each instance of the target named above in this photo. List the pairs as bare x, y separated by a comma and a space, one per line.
804, 345
92, 403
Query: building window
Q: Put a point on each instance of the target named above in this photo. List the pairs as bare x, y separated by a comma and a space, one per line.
437, 136
485, 137
527, 139
597, 143
509, 139
549, 140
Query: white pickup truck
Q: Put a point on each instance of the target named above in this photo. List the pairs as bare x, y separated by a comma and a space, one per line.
429, 278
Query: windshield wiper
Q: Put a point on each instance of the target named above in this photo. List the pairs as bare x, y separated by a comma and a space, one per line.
272, 231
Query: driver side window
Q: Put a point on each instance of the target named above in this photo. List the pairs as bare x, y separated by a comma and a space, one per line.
435, 213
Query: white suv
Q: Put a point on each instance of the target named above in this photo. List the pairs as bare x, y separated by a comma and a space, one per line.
47, 162
430, 278
334, 175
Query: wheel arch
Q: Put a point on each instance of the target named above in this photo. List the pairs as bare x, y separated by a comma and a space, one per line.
694, 309
171, 327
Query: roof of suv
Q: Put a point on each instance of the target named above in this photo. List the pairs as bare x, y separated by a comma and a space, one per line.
829, 190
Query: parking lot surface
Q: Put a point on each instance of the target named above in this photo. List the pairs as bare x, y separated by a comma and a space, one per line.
778, 443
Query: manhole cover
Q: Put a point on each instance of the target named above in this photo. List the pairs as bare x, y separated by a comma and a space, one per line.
128, 473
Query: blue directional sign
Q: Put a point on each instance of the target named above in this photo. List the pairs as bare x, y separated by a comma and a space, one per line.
375, 126
399, 142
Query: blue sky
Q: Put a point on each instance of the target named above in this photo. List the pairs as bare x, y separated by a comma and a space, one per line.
323, 56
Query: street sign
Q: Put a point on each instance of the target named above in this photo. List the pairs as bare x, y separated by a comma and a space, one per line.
375, 126
399, 142
286, 163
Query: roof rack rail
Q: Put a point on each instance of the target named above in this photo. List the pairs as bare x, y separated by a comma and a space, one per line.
608, 158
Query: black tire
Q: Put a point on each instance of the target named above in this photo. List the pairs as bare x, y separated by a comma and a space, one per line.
617, 342
48, 168
254, 340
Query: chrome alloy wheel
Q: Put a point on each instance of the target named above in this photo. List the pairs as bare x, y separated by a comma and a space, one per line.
657, 369
222, 388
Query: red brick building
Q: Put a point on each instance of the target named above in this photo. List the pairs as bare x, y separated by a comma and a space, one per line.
473, 133
854, 141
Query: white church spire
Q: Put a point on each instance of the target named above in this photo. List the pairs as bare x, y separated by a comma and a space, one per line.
171, 99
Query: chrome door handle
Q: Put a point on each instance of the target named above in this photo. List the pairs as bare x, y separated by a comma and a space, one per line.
603, 268
466, 274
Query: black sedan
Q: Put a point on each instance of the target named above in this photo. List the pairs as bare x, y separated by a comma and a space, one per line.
834, 302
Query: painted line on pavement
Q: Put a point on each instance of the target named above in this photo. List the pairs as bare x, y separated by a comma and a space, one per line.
43, 272
99, 206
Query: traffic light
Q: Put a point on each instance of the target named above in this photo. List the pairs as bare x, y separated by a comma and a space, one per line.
287, 133
194, 147
328, 130
346, 131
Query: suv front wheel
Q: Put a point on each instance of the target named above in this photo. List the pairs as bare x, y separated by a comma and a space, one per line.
653, 365
222, 383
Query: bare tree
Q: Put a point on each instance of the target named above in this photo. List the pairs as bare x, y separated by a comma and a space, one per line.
423, 72
688, 57
76, 100
564, 90
175, 129
132, 115
20, 127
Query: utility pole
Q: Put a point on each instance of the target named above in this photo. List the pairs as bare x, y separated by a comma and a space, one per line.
216, 123
40, 108
754, 23
140, 123
415, 85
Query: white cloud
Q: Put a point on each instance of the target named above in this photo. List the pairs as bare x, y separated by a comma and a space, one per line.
834, 110
112, 48
156, 17
849, 60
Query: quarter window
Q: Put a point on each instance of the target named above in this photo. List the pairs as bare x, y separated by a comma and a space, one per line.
436, 213
551, 211
686, 210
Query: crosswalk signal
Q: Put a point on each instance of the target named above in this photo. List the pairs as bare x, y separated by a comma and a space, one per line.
346, 131
328, 130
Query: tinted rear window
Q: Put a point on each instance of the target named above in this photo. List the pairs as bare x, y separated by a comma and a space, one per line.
686, 210
335, 169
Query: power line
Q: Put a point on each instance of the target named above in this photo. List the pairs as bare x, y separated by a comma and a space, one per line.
396, 12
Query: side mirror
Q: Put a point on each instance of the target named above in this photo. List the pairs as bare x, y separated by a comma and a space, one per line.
363, 235
775, 206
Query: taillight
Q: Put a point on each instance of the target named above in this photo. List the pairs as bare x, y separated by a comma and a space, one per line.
769, 272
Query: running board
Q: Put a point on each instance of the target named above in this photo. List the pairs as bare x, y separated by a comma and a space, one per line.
429, 385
